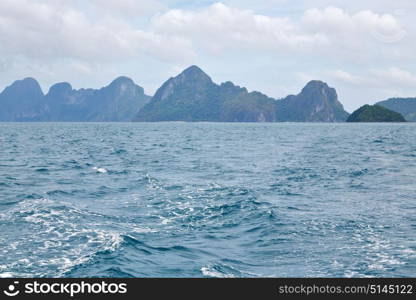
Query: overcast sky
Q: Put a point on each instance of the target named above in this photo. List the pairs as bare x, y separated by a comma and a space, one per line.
365, 49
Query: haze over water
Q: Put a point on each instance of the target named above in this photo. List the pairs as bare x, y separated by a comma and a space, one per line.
207, 199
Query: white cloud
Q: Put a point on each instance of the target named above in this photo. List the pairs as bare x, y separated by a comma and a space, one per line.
363, 24
81, 68
51, 30
330, 31
376, 78
394, 77
220, 27
346, 77
128, 8
41, 30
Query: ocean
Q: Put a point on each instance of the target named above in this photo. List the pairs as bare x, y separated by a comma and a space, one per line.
207, 200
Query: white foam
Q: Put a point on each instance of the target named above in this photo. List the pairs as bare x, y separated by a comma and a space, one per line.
143, 230
337, 264
6, 275
409, 252
165, 220
209, 272
352, 274
100, 170
59, 249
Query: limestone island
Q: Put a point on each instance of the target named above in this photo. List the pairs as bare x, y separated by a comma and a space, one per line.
375, 113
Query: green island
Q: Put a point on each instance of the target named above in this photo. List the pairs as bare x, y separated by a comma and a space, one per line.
375, 113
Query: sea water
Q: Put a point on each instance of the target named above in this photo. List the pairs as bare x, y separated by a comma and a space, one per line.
207, 200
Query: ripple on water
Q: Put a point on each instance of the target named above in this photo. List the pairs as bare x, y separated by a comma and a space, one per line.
201, 199
50, 238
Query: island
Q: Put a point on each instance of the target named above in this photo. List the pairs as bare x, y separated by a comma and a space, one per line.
375, 113
405, 106
191, 96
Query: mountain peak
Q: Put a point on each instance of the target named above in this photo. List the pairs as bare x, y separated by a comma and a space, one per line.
317, 102
193, 69
29, 82
122, 85
319, 90
27, 85
194, 73
121, 80
60, 88
316, 84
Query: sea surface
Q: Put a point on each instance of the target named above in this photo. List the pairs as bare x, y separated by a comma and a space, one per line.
207, 200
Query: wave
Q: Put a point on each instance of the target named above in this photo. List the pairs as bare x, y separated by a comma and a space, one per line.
100, 170
53, 237
209, 200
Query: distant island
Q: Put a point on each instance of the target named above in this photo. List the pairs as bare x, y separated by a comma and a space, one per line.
191, 96
375, 113
404, 106
24, 101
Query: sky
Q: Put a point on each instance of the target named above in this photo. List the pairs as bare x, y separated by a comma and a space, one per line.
364, 49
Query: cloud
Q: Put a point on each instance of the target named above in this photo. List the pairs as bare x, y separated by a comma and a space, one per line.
335, 22
394, 77
81, 68
376, 78
330, 31
58, 29
219, 27
41, 30
346, 77
128, 8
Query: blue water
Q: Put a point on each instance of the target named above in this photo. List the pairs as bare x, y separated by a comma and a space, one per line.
207, 200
